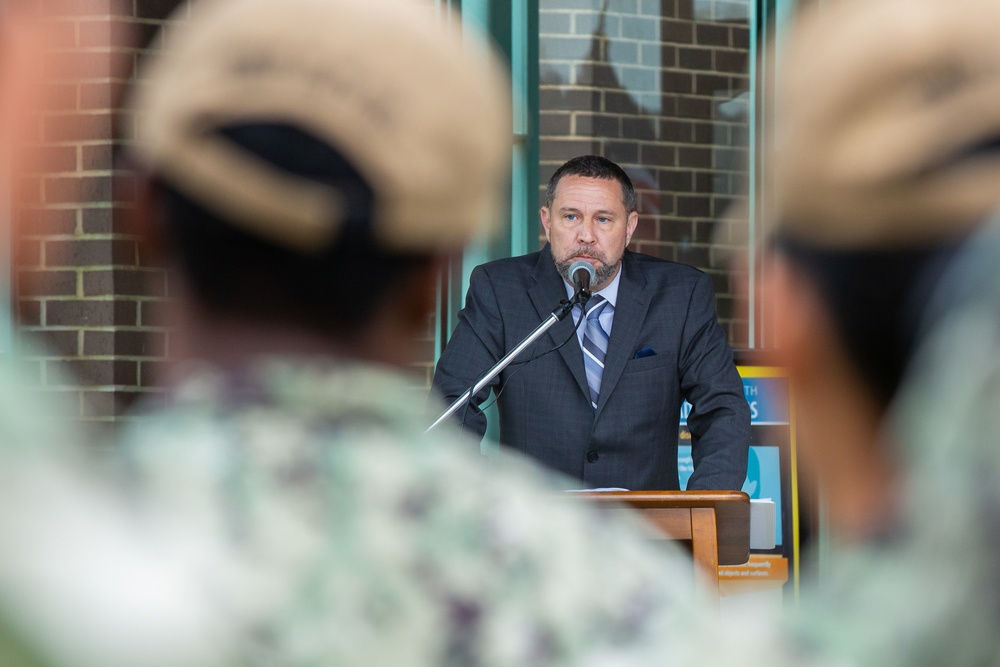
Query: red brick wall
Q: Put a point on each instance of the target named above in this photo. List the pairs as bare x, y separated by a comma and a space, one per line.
640, 81
655, 85
79, 280
83, 286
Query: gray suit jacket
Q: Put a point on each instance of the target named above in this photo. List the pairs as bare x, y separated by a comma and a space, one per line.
544, 406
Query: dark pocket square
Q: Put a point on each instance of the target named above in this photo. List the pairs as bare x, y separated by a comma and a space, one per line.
645, 352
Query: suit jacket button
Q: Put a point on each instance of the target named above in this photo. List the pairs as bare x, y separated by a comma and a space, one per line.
592, 457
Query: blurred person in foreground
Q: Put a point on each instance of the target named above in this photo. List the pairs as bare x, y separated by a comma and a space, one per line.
886, 162
305, 168
85, 581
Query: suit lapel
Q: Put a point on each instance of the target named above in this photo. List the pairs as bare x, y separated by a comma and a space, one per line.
630, 313
546, 293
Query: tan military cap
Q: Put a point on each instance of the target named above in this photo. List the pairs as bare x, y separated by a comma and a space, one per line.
421, 112
887, 122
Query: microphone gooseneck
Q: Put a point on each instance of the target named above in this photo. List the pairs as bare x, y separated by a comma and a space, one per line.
582, 274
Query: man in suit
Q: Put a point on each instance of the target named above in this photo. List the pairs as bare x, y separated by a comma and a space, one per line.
304, 203
605, 408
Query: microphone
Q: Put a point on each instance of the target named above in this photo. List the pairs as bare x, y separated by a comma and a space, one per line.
582, 273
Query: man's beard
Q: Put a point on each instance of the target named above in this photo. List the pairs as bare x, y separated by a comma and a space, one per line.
603, 271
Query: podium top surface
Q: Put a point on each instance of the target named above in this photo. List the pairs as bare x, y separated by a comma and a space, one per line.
732, 513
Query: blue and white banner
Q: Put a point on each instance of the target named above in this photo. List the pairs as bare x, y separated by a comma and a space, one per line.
767, 397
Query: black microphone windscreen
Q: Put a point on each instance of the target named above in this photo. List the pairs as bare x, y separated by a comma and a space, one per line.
582, 273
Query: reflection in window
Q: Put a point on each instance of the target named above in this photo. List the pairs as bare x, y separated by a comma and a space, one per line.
661, 87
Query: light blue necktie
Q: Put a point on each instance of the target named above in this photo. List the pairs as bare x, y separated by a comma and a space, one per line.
595, 346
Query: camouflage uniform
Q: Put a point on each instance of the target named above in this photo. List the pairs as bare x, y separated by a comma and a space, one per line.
368, 542
85, 580
31, 420
949, 418
928, 593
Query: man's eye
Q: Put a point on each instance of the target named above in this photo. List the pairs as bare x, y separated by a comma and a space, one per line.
571, 217
603, 219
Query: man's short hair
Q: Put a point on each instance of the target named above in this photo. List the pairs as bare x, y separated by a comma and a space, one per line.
593, 166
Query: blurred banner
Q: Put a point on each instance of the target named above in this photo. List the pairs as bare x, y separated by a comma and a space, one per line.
771, 573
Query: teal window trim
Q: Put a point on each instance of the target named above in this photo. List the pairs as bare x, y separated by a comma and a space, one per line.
769, 19
512, 25
756, 35
524, 171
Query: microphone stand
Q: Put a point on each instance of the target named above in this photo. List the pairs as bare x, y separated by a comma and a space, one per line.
560, 312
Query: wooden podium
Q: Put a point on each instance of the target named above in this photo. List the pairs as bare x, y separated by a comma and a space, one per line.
716, 523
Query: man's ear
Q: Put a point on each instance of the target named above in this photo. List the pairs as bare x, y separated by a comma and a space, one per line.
631, 223
544, 213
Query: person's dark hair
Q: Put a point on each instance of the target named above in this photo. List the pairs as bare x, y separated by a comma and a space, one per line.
877, 300
593, 166
334, 290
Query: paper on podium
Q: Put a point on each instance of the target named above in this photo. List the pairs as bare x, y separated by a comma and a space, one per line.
762, 523
601, 490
